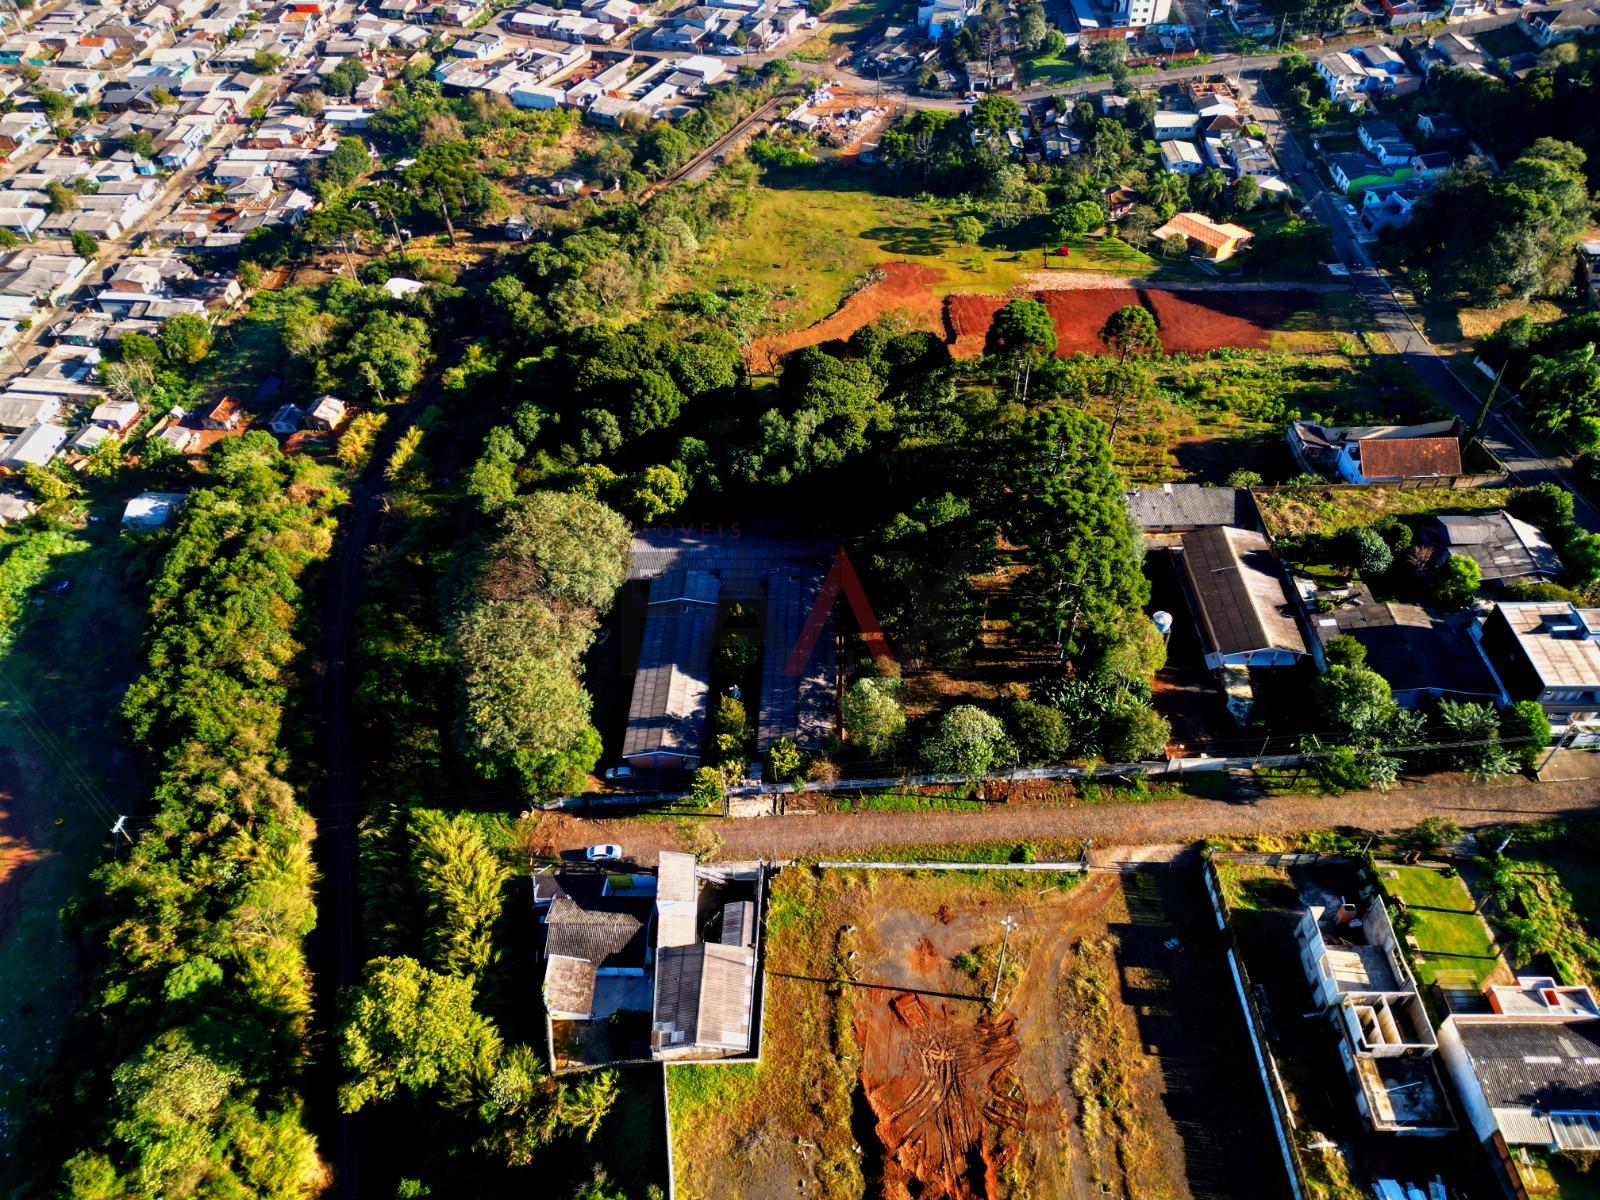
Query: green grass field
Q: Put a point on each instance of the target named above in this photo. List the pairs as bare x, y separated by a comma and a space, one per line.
64, 766
1450, 935
811, 237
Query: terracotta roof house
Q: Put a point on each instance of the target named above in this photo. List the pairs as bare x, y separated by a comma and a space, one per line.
1217, 240
568, 988
1364, 454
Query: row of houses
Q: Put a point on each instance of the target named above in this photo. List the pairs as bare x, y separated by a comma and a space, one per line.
731, 27
608, 89
1252, 615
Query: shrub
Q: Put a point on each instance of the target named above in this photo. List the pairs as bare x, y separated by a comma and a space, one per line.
1366, 551
1458, 582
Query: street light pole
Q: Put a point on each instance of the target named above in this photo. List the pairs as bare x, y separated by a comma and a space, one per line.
1008, 925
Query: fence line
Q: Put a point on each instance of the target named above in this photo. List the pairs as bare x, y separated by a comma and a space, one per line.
1171, 766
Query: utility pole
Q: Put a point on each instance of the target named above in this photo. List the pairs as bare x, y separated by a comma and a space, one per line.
122, 827
1488, 403
1008, 925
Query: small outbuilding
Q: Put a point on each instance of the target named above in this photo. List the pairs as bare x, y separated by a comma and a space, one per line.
151, 510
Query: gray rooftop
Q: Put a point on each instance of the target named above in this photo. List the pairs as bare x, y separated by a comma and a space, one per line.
1414, 650
797, 694
607, 931
1543, 1064
1240, 592
1502, 546
741, 558
668, 710
1178, 506
569, 985
1559, 639
704, 996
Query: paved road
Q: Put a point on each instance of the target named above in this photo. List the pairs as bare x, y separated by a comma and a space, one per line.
1508, 443
1162, 822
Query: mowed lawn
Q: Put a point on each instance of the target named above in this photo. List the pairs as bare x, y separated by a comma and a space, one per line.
1450, 935
811, 243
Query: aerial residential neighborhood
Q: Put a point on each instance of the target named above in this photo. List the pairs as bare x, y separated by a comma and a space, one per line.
720, 599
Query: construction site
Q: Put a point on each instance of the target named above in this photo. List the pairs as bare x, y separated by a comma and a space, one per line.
986, 1035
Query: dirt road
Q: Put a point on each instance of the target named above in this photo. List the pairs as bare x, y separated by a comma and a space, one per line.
1469, 804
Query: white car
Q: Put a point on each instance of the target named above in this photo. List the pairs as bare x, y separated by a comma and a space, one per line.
1350, 211
606, 853
613, 774
970, 98
1215, 12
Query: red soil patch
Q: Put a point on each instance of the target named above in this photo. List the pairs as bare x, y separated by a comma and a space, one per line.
941, 1089
967, 319
19, 849
904, 287
1191, 322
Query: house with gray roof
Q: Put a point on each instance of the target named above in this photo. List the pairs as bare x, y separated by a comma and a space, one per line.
1180, 507
1528, 1071
798, 668
1246, 616
1502, 546
667, 715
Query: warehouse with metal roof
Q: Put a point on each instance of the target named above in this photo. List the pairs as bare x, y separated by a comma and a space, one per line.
666, 717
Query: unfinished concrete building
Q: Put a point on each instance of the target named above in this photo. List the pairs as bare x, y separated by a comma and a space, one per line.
1357, 969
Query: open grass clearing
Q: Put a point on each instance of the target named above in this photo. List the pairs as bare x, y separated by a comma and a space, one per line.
1086, 1077
1297, 512
1450, 935
60, 744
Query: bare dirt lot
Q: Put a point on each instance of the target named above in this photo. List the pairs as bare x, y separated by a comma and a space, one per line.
886, 1072
902, 288
1191, 322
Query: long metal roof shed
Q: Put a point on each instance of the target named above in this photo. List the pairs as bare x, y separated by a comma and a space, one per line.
667, 714
1245, 612
797, 682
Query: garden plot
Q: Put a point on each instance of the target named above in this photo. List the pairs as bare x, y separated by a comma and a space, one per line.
886, 1071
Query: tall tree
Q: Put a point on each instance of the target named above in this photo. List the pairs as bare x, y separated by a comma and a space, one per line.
1024, 332
1066, 507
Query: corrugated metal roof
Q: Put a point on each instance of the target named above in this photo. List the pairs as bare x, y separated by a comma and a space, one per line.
1502, 546
1409, 458
1540, 1064
704, 995
607, 931
1576, 1130
1559, 639
739, 923
1191, 506
668, 710
1237, 585
797, 700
